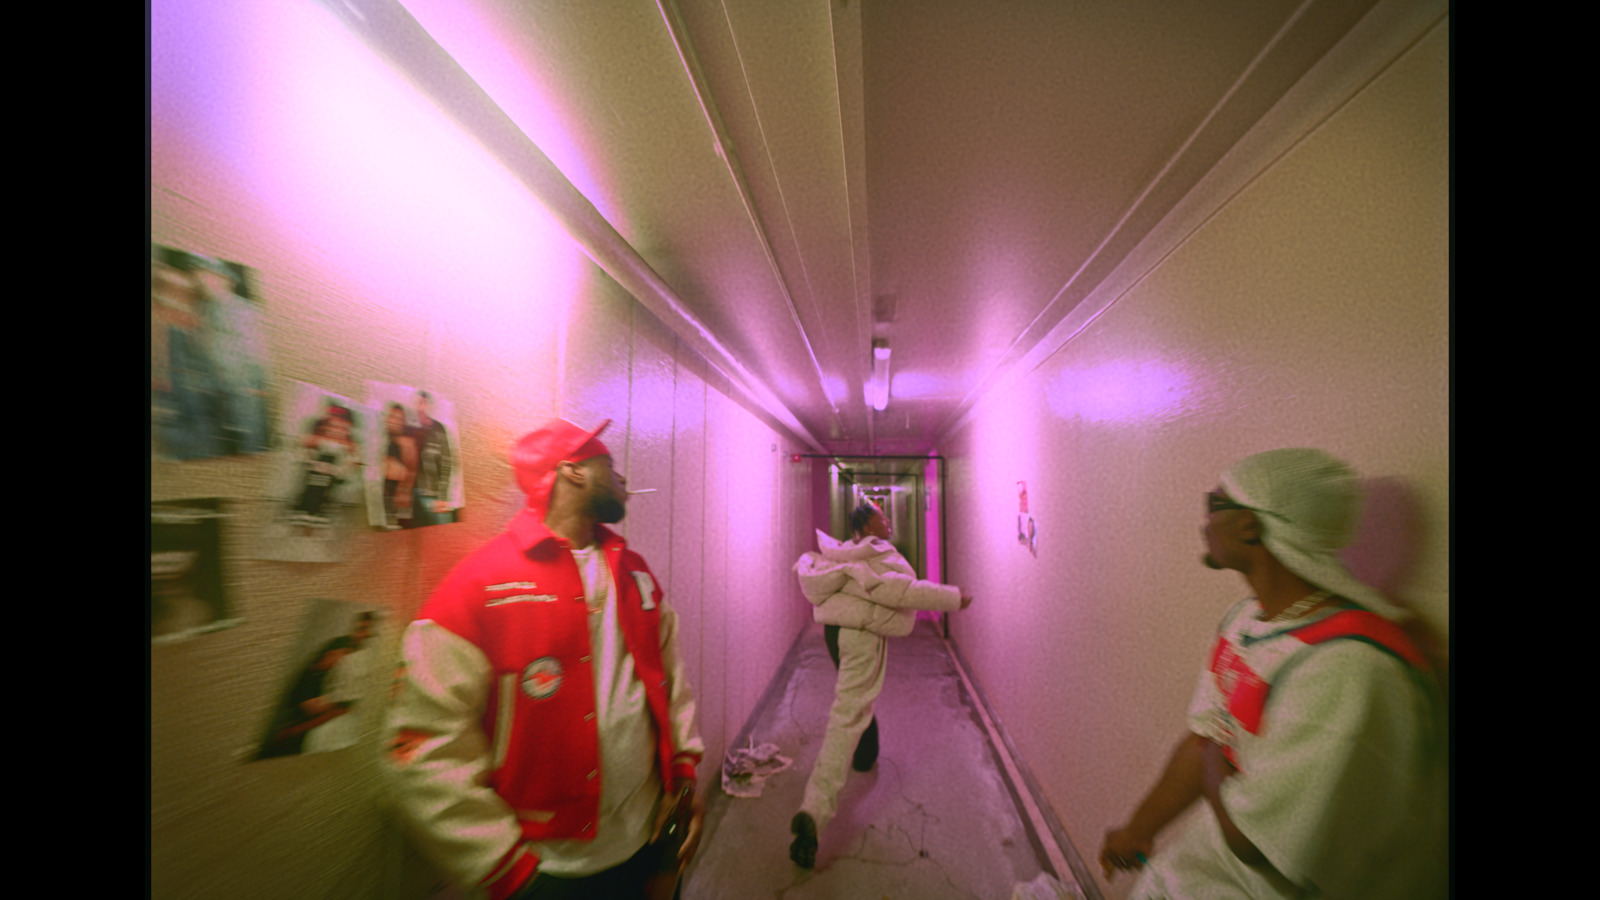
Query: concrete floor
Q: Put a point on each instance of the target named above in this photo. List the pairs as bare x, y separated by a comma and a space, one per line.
934, 819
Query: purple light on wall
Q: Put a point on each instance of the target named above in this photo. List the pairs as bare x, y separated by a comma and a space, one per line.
599, 393
653, 401
1120, 392
933, 527
194, 91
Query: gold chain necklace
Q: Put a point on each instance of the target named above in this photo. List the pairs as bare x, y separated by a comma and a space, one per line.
1301, 607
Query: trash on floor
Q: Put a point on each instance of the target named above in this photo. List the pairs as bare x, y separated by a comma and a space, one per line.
1046, 887
745, 771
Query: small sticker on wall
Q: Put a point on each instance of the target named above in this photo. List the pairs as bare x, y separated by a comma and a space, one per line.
1027, 531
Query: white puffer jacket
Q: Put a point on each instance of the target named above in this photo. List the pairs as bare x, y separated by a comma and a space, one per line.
868, 585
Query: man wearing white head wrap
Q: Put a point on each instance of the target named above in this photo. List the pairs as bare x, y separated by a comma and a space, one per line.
1313, 733
1308, 504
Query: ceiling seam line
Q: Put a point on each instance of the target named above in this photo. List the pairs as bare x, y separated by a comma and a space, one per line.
864, 322
766, 238
392, 31
696, 84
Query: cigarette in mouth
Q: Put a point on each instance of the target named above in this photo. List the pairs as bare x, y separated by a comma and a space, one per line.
644, 491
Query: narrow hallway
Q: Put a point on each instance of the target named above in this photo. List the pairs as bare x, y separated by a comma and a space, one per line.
1033, 277
934, 819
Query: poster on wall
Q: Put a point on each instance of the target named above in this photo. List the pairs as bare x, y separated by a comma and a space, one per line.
187, 588
413, 472
208, 358
316, 491
324, 704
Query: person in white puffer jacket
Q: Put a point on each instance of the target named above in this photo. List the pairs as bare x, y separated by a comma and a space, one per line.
863, 592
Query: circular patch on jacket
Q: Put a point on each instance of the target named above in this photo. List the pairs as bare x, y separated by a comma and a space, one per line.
542, 678
1226, 680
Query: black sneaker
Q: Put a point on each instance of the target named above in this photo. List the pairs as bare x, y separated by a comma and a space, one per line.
804, 849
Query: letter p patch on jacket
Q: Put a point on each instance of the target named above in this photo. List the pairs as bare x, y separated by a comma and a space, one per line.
647, 589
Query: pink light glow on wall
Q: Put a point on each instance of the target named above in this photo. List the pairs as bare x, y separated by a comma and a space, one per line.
653, 402
344, 150
933, 526
594, 394
1121, 392
1005, 443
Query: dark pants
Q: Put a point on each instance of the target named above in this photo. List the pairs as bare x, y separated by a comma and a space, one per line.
624, 882
867, 748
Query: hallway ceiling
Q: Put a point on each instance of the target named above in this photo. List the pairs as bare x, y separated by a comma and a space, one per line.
952, 177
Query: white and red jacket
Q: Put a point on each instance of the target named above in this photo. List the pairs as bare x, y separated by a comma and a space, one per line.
495, 741
1245, 667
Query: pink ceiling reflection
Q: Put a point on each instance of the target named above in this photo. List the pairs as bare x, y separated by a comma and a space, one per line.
918, 384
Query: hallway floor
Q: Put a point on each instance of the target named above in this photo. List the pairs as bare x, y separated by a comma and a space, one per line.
934, 819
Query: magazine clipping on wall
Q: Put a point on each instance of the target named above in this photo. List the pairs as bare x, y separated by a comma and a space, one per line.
187, 588
327, 683
208, 358
317, 486
413, 472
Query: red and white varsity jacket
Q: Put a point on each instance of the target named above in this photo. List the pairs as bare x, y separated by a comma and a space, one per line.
494, 738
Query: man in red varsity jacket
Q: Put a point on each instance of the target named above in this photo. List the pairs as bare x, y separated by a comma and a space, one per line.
543, 741
1314, 733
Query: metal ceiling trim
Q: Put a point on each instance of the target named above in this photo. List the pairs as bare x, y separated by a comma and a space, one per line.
391, 30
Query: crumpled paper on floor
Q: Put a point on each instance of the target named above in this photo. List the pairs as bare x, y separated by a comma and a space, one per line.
745, 771
1046, 887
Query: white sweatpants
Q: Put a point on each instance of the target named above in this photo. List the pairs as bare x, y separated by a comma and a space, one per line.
862, 663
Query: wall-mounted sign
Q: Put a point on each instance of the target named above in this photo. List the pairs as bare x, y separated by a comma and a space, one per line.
1027, 531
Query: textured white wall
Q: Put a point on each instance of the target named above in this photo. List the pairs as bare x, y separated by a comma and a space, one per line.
1312, 310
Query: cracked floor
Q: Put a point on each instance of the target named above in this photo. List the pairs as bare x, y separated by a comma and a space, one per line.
933, 820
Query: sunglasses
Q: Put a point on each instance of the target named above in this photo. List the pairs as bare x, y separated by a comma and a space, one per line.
1216, 503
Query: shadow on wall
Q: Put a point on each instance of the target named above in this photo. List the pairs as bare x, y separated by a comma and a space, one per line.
1384, 555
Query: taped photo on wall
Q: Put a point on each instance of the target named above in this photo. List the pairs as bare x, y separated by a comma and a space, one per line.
187, 585
315, 493
327, 683
208, 358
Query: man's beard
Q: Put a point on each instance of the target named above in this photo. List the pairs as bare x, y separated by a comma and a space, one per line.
608, 510
1211, 562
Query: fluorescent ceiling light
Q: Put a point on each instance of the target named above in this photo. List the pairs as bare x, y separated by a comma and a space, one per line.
878, 387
